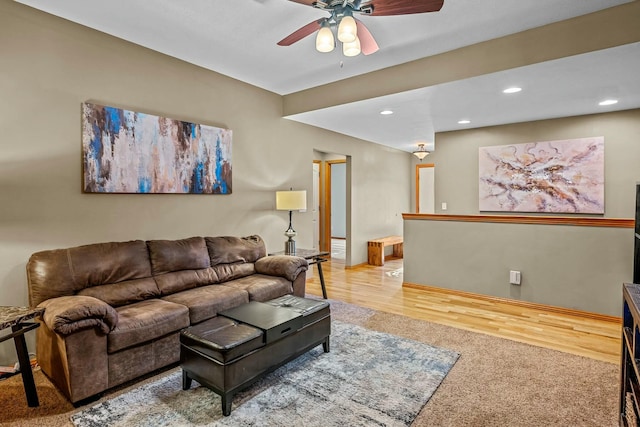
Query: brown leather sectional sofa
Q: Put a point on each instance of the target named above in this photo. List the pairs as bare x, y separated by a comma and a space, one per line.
113, 311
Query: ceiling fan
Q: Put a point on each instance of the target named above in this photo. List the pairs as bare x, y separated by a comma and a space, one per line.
353, 34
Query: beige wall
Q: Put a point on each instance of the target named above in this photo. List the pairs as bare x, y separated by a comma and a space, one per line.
456, 157
49, 66
569, 266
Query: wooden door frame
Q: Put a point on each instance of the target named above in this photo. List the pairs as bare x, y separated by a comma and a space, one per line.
320, 202
418, 167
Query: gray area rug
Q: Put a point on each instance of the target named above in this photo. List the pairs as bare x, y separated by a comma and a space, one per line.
369, 378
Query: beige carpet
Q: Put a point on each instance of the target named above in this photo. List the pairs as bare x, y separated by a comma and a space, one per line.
495, 382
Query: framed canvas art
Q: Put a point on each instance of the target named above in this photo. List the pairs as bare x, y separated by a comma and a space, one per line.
565, 176
130, 152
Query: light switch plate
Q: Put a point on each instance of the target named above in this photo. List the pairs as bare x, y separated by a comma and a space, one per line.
514, 277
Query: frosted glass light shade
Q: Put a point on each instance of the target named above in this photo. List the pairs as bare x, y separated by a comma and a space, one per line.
347, 30
291, 200
351, 49
324, 40
421, 152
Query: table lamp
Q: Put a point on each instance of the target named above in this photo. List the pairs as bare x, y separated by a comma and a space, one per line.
290, 201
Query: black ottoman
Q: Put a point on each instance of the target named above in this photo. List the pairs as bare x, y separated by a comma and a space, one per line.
231, 351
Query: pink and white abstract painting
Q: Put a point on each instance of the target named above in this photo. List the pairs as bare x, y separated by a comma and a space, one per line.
565, 176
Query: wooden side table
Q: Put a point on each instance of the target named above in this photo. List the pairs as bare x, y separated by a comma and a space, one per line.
314, 257
16, 318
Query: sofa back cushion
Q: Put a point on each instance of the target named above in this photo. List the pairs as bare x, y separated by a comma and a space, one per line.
63, 272
177, 281
231, 250
176, 255
123, 293
227, 272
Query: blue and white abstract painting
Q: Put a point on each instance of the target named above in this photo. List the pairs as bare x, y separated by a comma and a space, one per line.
129, 152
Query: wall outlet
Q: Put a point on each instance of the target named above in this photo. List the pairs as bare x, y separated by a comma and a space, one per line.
514, 277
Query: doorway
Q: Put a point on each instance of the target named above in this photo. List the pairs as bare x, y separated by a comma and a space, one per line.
331, 183
316, 205
336, 222
425, 188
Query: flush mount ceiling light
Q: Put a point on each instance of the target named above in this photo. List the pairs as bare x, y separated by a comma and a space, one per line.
421, 152
608, 102
512, 90
351, 32
464, 122
386, 112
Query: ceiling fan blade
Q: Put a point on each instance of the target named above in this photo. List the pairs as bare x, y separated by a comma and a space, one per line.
306, 2
402, 7
368, 44
301, 33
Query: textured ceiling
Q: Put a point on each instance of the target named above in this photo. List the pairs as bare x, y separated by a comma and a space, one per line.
239, 39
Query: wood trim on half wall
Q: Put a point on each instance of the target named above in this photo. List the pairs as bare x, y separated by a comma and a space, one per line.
524, 219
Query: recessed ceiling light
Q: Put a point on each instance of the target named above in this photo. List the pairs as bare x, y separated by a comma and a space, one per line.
464, 122
386, 112
512, 90
608, 102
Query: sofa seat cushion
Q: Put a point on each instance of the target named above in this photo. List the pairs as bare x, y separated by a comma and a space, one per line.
145, 321
261, 287
206, 301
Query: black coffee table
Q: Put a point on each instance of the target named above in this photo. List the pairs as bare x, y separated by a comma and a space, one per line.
231, 351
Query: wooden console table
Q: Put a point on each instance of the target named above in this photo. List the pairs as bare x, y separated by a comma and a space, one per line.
16, 318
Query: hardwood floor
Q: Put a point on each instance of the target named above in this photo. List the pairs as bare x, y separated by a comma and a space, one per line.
380, 288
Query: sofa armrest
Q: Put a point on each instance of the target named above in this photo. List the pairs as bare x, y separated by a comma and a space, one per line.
66, 315
285, 266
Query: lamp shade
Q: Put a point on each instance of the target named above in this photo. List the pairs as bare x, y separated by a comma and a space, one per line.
291, 200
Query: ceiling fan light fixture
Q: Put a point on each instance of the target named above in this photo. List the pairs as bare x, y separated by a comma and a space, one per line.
347, 30
351, 49
324, 40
